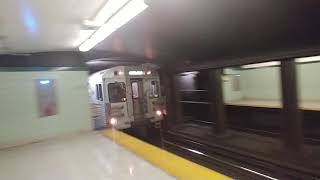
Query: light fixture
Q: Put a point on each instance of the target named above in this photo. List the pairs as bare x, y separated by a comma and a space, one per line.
83, 35
123, 99
136, 73
158, 112
189, 73
120, 73
261, 65
111, 7
113, 121
44, 82
129, 11
95, 62
307, 59
148, 72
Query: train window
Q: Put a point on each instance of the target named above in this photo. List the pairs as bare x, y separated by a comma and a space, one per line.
309, 97
154, 89
117, 92
252, 97
99, 92
135, 89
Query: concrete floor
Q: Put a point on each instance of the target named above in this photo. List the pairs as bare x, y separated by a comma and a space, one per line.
88, 156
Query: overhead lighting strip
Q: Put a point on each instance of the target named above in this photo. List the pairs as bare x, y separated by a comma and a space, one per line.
109, 9
261, 65
83, 35
125, 14
308, 59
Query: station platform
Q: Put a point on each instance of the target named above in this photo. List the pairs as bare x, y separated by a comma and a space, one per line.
103, 155
263, 103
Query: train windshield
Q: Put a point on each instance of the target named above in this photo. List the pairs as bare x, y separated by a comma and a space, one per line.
117, 92
154, 89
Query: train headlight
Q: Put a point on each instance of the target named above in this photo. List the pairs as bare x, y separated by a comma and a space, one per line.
158, 112
113, 121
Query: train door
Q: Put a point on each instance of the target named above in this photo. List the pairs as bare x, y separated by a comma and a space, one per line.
137, 99
116, 104
98, 108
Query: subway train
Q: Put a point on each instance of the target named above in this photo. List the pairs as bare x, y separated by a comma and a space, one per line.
123, 97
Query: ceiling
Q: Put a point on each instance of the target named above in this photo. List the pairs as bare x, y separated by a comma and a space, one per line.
40, 25
186, 30
214, 29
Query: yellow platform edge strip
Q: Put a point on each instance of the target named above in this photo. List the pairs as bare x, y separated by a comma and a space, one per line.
172, 164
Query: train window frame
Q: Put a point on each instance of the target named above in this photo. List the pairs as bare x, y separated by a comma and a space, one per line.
122, 96
135, 90
153, 90
99, 94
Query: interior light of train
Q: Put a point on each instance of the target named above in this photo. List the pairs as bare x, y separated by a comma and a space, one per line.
125, 14
148, 72
261, 65
44, 82
307, 59
120, 73
158, 112
113, 121
136, 73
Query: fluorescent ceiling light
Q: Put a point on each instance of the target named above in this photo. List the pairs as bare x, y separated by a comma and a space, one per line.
260, 65
111, 7
307, 59
91, 23
136, 73
83, 35
95, 62
189, 73
129, 11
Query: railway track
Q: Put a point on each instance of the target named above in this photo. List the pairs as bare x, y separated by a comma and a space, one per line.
233, 163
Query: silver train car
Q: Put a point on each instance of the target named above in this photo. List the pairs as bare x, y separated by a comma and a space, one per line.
126, 96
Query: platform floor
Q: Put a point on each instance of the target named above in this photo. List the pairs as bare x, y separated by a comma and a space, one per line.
89, 156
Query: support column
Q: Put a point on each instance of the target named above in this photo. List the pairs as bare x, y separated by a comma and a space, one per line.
172, 102
292, 124
177, 99
217, 109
